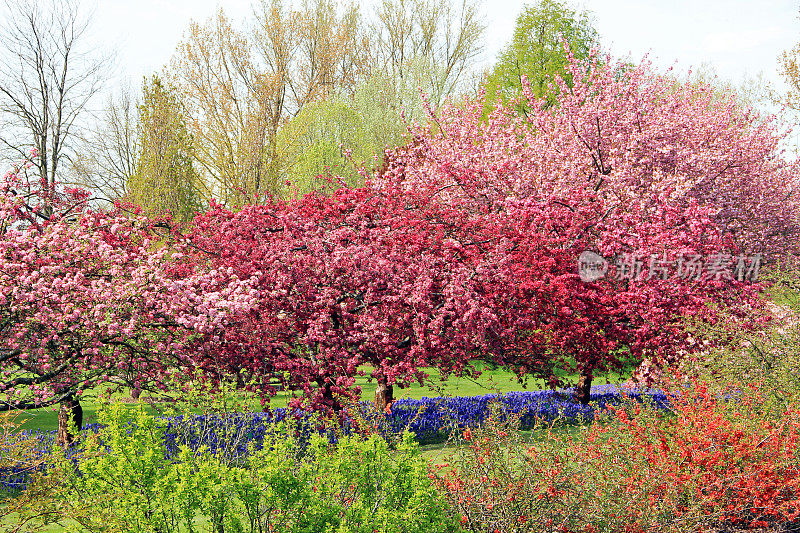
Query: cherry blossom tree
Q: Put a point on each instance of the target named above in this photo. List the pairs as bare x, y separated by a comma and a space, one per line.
86, 296
555, 319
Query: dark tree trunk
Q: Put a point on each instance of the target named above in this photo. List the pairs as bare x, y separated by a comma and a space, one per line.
70, 413
328, 397
384, 394
584, 387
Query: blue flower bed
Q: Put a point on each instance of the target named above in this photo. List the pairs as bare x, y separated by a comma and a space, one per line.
429, 419
16, 478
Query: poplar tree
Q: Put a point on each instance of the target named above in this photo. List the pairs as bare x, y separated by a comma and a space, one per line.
165, 181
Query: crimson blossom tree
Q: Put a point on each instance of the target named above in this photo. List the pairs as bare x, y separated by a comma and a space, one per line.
562, 320
626, 162
88, 296
358, 277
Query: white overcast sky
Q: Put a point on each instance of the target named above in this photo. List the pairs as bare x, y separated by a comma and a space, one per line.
737, 37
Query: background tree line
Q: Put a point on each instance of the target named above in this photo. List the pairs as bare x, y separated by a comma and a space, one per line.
300, 91
302, 96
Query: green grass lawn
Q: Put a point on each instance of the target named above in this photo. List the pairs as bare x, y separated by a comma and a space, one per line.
489, 381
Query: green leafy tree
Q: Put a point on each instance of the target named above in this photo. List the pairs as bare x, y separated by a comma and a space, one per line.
537, 50
341, 135
165, 180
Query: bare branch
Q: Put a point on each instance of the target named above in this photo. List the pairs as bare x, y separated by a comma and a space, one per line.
52, 79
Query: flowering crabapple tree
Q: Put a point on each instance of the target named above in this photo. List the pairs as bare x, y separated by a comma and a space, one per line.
526, 251
625, 162
87, 296
361, 277
32, 201
628, 134
560, 320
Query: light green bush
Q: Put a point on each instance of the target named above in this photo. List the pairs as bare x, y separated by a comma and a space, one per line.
124, 481
763, 347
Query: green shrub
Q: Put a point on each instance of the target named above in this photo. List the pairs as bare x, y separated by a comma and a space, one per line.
124, 481
761, 348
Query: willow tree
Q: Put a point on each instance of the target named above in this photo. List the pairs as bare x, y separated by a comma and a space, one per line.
335, 141
420, 53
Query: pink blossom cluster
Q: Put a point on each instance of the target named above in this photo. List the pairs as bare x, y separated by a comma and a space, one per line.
630, 134
95, 297
356, 278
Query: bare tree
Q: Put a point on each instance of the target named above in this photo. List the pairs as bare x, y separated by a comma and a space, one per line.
317, 50
231, 105
113, 146
49, 81
240, 87
431, 42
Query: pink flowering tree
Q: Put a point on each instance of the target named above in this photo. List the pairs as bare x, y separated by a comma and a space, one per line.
89, 296
626, 162
401, 280
630, 135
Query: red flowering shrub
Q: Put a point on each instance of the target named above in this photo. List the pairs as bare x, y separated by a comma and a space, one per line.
710, 462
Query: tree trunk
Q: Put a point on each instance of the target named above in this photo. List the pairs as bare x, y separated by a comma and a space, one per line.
584, 387
69, 413
384, 394
328, 397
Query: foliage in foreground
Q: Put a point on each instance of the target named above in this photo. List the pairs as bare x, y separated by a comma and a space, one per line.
232, 434
723, 453
715, 459
128, 484
712, 462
